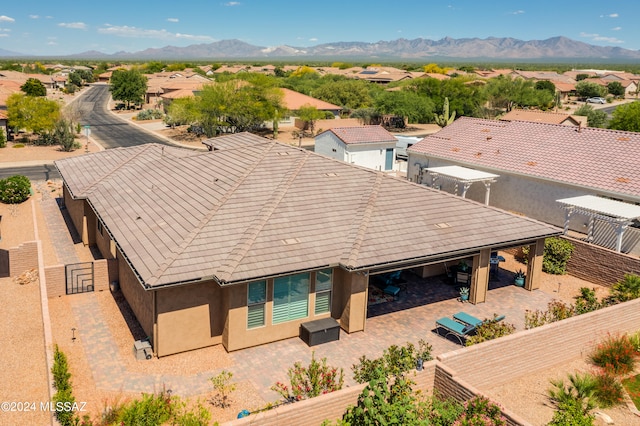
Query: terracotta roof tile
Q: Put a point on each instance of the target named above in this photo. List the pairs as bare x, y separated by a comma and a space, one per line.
589, 157
363, 134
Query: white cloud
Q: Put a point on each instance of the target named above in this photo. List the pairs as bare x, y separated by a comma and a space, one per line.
611, 15
133, 32
232, 3
5, 30
4, 35
173, 20
517, 12
313, 39
34, 16
4, 18
52, 43
73, 25
616, 28
598, 37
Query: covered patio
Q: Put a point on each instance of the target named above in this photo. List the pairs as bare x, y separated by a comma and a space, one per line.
618, 215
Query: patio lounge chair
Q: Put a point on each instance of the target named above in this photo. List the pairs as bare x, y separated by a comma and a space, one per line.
454, 328
468, 319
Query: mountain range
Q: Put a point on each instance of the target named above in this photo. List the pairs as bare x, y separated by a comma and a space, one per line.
504, 48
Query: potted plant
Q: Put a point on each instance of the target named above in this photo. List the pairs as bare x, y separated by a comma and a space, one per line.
464, 293
519, 278
423, 354
463, 266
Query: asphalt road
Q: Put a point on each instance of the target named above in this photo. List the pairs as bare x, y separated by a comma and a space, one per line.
107, 129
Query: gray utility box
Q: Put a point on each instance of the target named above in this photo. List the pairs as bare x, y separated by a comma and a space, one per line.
142, 349
320, 331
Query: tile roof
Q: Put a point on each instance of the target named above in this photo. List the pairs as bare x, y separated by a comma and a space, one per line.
265, 209
294, 101
363, 134
596, 159
543, 117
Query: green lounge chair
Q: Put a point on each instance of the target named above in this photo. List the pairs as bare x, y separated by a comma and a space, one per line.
468, 319
454, 328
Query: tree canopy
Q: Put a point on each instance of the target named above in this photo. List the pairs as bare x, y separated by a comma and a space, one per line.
33, 114
626, 117
34, 87
589, 89
128, 86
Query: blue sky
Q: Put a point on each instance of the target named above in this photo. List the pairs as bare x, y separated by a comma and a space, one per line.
62, 27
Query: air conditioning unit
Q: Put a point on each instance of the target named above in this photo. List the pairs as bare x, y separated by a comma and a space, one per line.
142, 350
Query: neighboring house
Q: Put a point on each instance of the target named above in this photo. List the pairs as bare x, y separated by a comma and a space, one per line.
242, 244
367, 146
293, 101
545, 117
537, 163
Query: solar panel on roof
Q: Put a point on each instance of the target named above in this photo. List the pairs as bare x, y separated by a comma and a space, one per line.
369, 72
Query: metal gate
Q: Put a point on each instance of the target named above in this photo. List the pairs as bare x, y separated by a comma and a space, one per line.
79, 277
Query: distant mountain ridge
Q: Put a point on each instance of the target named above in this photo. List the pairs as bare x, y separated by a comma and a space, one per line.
416, 49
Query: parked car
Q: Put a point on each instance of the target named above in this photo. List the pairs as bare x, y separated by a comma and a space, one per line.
597, 100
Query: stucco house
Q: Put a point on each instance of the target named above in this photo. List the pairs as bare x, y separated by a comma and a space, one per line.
242, 244
537, 164
367, 146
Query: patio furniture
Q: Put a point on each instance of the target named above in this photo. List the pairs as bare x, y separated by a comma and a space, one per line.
463, 279
454, 328
469, 319
392, 290
320, 331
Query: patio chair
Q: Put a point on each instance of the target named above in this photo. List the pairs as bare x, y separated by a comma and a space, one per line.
454, 328
469, 319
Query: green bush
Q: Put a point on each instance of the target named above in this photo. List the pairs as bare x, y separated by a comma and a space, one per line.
149, 114
3, 139
556, 311
481, 411
609, 391
308, 382
395, 360
15, 189
557, 252
571, 413
626, 289
586, 301
62, 383
490, 330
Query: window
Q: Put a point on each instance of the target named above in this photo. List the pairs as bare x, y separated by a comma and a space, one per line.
290, 298
99, 227
323, 291
256, 299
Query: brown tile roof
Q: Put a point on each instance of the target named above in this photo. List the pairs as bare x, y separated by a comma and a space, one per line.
268, 208
543, 117
363, 134
295, 100
592, 158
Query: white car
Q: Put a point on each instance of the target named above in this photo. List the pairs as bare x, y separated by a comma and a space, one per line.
597, 100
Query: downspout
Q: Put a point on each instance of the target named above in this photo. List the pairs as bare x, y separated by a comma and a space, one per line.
154, 315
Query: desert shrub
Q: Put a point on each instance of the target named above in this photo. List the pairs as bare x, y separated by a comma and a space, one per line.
149, 114
385, 403
616, 354
490, 330
556, 311
307, 382
557, 252
64, 135
18, 145
608, 389
15, 189
580, 388
223, 386
395, 360
440, 411
3, 139
635, 341
571, 413
626, 289
481, 411
586, 301
62, 383
152, 409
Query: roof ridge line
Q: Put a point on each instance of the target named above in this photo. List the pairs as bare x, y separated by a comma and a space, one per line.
249, 236
364, 223
206, 219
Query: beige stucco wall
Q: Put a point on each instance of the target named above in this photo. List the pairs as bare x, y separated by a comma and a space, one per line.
535, 198
75, 208
140, 301
353, 294
188, 317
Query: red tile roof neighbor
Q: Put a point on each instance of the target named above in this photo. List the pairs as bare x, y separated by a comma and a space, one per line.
583, 156
295, 100
260, 210
363, 134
